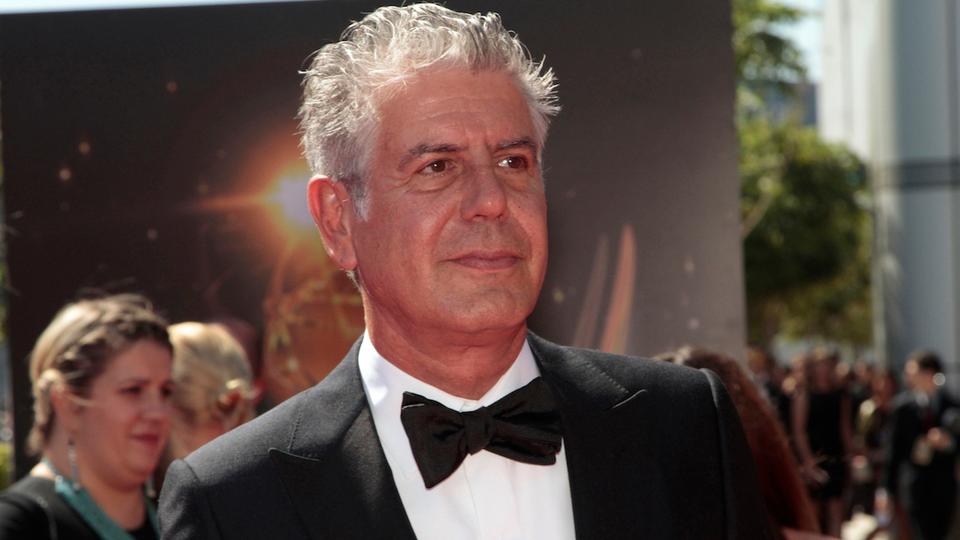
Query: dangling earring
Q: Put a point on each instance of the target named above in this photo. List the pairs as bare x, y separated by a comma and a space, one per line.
149, 489
72, 460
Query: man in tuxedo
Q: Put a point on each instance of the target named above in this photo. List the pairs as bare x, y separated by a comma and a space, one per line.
448, 419
921, 476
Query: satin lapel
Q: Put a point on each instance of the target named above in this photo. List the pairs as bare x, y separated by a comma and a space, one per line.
611, 475
334, 468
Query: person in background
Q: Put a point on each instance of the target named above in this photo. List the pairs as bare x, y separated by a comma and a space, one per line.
101, 375
793, 383
769, 378
213, 388
870, 439
921, 475
790, 511
860, 387
823, 437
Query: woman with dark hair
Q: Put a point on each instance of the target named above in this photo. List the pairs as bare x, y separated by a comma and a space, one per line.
784, 495
823, 436
101, 383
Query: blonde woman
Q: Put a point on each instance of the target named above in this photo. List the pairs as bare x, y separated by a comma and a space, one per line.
101, 387
213, 387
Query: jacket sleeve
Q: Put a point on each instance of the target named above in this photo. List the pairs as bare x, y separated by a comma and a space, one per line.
746, 516
185, 511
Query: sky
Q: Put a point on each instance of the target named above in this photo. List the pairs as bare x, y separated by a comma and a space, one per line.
807, 33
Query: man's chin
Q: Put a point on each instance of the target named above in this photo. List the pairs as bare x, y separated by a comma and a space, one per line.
487, 313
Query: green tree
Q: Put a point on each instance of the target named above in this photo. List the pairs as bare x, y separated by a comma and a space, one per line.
806, 231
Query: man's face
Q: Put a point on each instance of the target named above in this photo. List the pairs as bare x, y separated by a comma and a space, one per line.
454, 239
921, 380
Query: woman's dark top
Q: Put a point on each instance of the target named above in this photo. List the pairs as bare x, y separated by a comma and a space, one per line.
823, 424
826, 441
32, 509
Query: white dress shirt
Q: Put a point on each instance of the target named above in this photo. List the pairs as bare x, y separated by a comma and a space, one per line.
489, 497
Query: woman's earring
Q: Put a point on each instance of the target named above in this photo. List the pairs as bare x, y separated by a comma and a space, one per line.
72, 460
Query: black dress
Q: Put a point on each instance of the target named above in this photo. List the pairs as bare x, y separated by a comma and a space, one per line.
826, 442
32, 509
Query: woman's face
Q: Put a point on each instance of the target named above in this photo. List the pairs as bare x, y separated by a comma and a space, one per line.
122, 427
823, 373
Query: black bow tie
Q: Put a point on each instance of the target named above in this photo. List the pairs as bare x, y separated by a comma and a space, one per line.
523, 425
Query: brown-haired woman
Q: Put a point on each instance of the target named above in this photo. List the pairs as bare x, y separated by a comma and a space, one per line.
101, 383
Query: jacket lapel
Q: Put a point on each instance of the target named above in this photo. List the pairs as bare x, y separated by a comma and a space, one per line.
613, 474
334, 469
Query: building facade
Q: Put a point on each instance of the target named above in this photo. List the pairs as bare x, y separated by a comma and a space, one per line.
890, 93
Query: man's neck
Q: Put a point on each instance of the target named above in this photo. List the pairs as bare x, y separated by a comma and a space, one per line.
464, 365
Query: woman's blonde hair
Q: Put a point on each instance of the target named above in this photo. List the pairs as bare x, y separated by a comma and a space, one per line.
77, 346
212, 377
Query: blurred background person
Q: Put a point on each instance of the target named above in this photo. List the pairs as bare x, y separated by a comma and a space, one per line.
921, 476
101, 378
793, 383
871, 438
213, 388
859, 386
789, 508
823, 439
769, 378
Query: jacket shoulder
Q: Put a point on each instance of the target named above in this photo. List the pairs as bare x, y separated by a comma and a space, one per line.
629, 372
247, 446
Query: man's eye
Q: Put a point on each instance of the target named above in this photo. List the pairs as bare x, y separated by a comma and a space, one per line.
131, 390
513, 162
436, 167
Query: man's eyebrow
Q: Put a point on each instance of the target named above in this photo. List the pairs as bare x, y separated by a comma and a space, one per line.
515, 143
422, 149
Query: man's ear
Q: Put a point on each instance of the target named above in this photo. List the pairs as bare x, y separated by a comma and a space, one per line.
333, 212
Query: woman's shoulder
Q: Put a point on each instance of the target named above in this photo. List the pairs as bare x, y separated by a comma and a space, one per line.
26, 509
28, 494
32, 485
31, 508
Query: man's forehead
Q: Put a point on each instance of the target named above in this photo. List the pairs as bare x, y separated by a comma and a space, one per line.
451, 110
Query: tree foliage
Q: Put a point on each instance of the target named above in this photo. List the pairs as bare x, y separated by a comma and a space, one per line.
806, 233
760, 51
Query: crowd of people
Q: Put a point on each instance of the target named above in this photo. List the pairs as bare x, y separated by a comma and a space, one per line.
866, 439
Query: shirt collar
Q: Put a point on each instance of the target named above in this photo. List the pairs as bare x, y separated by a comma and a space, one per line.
385, 383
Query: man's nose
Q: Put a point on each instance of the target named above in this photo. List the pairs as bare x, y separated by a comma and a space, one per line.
485, 195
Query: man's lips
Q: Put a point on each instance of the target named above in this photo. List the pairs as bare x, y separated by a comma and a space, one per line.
487, 260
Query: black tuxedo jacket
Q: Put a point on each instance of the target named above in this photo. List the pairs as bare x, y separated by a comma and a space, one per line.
928, 490
654, 451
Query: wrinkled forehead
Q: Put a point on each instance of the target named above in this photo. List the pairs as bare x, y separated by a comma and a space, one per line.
431, 101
